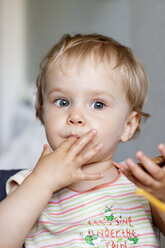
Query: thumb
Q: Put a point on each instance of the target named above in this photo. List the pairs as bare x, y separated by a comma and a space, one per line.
46, 150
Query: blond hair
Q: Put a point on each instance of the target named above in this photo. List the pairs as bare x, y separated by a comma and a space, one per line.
104, 49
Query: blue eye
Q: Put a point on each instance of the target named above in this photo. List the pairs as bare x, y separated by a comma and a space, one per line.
98, 105
62, 103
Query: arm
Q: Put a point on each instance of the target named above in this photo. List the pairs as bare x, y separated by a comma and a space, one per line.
151, 180
54, 170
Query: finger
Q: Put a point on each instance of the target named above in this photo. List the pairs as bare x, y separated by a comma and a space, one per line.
85, 157
137, 182
161, 148
140, 175
66, 144
46, 150
82, 142
154, 170
91, 176
129, 175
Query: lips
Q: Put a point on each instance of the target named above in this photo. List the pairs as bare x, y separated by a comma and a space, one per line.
77, 133
73, 135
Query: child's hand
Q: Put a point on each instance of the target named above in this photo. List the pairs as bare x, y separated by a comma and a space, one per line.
153, 179
64, 166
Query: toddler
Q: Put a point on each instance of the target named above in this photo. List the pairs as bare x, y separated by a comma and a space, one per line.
90, 96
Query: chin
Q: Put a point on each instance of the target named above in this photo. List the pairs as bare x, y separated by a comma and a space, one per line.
54, 146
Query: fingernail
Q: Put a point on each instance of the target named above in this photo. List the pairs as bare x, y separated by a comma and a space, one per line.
139, 154
99, 146
93, 131
161, 146
129, 162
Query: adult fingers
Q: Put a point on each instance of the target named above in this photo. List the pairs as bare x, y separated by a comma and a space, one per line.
161, 148
140, 175
139, 184
154, 170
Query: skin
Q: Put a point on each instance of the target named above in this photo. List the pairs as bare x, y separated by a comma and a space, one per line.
53, 171
82, 100
83, 139
152, 181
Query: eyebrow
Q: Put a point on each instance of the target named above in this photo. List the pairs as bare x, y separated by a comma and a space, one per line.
95, 92
56, 90
102, 92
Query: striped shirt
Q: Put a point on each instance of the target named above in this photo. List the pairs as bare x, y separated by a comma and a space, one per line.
109, 215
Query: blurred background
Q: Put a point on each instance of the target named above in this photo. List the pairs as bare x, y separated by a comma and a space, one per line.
28, 28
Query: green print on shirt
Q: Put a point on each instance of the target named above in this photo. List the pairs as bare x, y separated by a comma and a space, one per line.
135, 240
110, 236
108, 214
92, 240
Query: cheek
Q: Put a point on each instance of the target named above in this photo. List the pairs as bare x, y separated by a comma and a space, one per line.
109, 129
110, 133
51, 131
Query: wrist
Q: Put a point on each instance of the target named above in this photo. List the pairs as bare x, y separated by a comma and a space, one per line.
38, 186
43, 183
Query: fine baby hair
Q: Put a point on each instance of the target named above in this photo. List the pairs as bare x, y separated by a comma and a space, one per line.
102, 50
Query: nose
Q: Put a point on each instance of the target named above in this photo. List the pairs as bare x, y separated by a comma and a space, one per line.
76, 118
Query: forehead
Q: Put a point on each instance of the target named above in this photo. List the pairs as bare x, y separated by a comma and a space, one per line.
81, 56
90, 65
90, 77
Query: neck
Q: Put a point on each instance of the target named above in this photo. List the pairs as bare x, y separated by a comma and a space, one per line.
107, 168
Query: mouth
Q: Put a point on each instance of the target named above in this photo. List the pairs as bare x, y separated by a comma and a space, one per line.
73, 135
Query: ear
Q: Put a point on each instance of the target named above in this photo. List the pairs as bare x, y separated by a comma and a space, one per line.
130, 126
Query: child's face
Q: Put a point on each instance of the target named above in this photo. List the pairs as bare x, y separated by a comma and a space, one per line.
79, 100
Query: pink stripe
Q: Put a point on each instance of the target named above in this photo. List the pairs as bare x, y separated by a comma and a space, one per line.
67, 242
140, 219
146, 245
86, 204
73, 240
37, 234
78, 193
121, 184
64, 212
82, 205
79, 224
62, 200
146, 234
76, 222
124, 194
